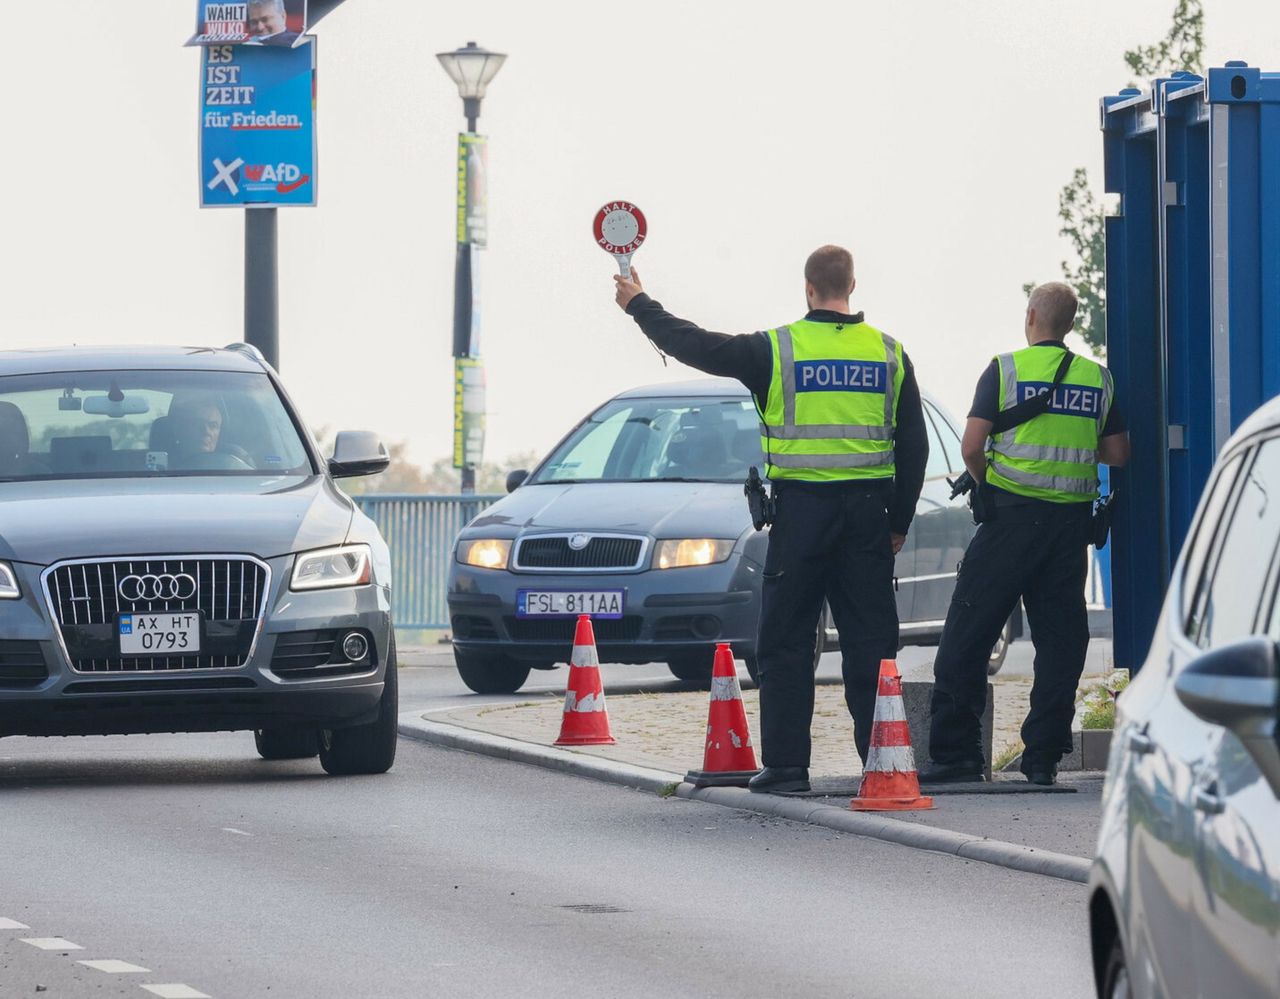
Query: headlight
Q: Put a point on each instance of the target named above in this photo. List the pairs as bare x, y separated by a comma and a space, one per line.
677, 554
485, 553
347, 565
8, 583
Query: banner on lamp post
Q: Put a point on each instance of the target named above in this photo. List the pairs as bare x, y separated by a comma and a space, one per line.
468, 412
473, 191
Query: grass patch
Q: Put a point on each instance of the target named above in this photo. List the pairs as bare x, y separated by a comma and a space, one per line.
667, 790
1006, 756
1098, 705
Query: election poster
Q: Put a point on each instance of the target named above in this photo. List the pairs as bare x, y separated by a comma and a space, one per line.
257, 126
468, 412
277, 23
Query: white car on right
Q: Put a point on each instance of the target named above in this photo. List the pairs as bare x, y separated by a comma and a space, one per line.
1184, 899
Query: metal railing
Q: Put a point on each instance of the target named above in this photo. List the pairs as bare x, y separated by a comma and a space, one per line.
420, 531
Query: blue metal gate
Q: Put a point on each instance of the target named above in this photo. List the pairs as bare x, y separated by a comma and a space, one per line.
420, 531
1193, 304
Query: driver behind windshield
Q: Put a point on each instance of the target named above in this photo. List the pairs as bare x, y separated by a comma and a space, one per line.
196, 424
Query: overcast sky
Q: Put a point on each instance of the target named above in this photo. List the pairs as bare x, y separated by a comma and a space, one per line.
931, 138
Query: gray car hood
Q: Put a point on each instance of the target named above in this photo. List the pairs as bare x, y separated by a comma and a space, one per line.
661, 509
43, 522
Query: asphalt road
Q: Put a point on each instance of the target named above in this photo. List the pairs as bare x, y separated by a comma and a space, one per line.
456, 875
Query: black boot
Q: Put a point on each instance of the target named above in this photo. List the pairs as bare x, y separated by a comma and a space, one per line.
1040, 772
961, 771
780, 779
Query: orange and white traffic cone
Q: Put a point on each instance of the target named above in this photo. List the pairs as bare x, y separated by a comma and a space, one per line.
586, 720
889, 780
729, 759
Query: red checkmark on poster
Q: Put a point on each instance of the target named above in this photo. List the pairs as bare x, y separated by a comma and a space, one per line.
286, 188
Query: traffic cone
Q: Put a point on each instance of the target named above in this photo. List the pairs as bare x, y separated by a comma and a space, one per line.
729, 760
889, 780
586, 720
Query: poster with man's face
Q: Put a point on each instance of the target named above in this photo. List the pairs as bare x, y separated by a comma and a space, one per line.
250, 22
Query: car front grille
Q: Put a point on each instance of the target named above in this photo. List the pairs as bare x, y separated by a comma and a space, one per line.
229, 593
561, 630
599, 552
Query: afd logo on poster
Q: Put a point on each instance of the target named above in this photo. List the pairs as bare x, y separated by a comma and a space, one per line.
283, 177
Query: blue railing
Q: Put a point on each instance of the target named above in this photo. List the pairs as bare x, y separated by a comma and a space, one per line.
420, 531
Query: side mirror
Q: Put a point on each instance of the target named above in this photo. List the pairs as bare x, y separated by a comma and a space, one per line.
357, 452
516, 479
1238, 687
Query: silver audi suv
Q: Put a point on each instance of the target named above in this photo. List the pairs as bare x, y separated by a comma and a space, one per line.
175, 556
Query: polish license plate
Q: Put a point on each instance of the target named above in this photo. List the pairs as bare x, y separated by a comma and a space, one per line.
569, 603
159, 633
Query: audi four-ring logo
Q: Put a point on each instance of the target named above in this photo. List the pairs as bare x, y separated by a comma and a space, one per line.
151, 587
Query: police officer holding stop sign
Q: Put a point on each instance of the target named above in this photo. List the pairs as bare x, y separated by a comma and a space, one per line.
843, 434
1042, 420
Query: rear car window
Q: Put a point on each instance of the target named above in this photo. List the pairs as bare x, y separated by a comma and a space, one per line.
1226, 605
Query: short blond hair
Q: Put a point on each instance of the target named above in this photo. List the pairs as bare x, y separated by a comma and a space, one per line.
1055, 304
830, 270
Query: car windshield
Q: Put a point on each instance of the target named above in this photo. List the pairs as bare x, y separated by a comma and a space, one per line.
657, 439
113, 424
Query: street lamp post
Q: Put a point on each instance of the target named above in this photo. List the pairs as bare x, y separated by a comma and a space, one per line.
472, 68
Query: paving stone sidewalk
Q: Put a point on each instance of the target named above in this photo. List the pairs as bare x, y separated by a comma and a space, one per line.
665, 731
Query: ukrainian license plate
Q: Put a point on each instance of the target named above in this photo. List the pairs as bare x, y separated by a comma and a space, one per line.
569, 603
159, 633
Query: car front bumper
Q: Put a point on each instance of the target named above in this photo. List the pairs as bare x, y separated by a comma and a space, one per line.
667, 612
261, 693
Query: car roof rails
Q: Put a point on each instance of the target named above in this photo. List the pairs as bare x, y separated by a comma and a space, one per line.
247, 348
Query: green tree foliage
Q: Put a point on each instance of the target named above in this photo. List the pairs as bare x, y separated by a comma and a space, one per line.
1080, 211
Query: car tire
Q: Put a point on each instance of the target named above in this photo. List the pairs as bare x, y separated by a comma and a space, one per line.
370, 748
1000, 651
1115, 980
693, 667
490, 674
287, 743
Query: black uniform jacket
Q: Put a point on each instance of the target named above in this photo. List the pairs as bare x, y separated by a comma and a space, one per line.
748, 357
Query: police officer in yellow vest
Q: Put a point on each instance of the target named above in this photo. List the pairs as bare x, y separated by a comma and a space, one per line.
1037, 483
843, 434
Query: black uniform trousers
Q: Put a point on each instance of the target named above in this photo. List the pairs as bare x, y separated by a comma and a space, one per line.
829, 540
1040, 555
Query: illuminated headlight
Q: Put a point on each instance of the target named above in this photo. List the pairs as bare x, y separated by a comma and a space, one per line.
484, 553
8, 583
348, 565
678, 554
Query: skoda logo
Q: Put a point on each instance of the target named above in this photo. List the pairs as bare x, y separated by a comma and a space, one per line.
165, 587
579, 541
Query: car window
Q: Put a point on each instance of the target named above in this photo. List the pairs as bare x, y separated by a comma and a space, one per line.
1208, 528
629, 440
109, 424
1232, 590
945, 435
937, 466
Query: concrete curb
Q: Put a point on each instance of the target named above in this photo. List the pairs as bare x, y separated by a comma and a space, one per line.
1012, 856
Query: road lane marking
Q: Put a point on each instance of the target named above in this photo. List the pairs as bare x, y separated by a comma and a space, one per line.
12, 924
114, 967
51, 943
175, 991
237, 832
